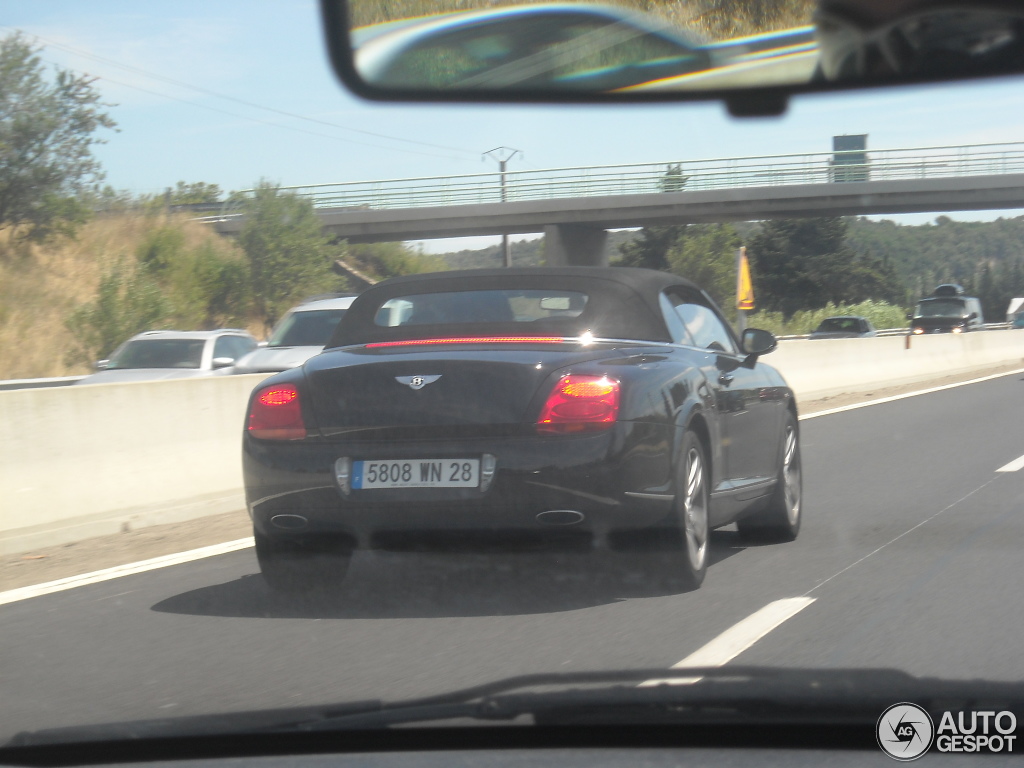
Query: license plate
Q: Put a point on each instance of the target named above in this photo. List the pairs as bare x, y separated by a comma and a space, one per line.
416, 473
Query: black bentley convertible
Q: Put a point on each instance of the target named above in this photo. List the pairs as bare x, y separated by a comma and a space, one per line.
575, 407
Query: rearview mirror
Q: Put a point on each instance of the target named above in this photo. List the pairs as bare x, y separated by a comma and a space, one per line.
472, 50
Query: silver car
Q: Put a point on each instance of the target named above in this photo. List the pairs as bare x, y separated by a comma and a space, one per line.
301, 333
174, 355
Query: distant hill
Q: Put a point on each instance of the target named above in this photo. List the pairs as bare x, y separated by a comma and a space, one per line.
945, 251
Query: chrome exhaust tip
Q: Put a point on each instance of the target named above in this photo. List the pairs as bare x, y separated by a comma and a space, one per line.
560, 517
289, 522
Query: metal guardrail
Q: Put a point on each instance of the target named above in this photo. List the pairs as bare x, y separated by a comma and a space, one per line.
900, 331
654, 178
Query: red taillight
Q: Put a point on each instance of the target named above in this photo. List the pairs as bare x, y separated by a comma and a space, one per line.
580, 404
276, 414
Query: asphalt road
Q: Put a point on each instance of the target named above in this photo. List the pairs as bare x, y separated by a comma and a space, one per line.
912, 548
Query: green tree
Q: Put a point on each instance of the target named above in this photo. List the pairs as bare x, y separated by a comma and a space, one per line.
205, 287
48, 128
161, 248
650, 250
674, 180
193, 193
287, 252
706, 254
129, 301
806, 263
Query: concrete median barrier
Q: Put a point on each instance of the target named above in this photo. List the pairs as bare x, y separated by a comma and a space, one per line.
85, 461
826, 367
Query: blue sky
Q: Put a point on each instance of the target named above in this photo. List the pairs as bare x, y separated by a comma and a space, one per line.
167, 66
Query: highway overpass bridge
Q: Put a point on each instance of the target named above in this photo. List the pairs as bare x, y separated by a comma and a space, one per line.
574, 207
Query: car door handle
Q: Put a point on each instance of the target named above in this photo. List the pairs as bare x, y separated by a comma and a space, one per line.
725, 379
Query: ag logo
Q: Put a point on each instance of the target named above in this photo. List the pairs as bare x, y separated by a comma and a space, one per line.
905, 731
417, 382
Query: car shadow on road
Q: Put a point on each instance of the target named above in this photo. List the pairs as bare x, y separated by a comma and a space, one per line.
383, 585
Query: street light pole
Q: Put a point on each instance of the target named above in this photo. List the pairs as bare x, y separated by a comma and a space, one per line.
503, 155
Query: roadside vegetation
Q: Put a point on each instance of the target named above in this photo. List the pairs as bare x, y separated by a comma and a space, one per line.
881, 314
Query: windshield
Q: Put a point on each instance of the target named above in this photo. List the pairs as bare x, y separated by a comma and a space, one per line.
307, 328
546, 436
839, 325
159, 353
941, 308
475, 307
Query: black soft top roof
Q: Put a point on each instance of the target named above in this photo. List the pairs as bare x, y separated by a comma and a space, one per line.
622, 304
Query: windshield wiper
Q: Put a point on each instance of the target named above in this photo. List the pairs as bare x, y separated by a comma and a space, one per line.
651, 697
659, 696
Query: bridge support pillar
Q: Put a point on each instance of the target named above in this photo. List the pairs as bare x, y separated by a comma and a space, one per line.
574, 245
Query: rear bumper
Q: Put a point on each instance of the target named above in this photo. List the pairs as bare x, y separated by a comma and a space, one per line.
619, 480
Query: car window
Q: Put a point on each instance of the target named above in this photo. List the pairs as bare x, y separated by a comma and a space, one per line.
674, 321
474, 307
159, 353
233, 347
306, 328
941, 308
841, 324
704, 326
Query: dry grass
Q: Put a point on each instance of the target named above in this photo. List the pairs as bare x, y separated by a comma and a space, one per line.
41, 285
716, 18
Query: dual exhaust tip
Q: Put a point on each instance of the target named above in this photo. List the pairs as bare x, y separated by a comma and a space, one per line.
553, 517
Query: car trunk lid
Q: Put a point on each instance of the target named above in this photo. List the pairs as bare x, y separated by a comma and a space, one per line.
438, 391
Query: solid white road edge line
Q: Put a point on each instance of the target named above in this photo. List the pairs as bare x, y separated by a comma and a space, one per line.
915, 393
1013, 466
738, 638
49, 587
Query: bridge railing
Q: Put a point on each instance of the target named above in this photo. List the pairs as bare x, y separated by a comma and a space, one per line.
656, 178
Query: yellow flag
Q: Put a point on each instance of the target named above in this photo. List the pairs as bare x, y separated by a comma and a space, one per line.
744, 288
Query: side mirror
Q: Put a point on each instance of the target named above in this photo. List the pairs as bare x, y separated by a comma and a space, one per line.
101, 365
972, 316
910, 316
261, 344
223, 362
757, 342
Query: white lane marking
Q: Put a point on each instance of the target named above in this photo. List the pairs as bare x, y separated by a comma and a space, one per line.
738, 638
897, 538
1013, 466
880, 400
49, 587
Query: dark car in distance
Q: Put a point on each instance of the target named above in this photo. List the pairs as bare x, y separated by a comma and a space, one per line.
947, 310
579, 407
844, 327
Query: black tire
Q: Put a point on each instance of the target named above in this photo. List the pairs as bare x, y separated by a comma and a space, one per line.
291, 569
780, 520
692, 506
680, 561
674, 556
